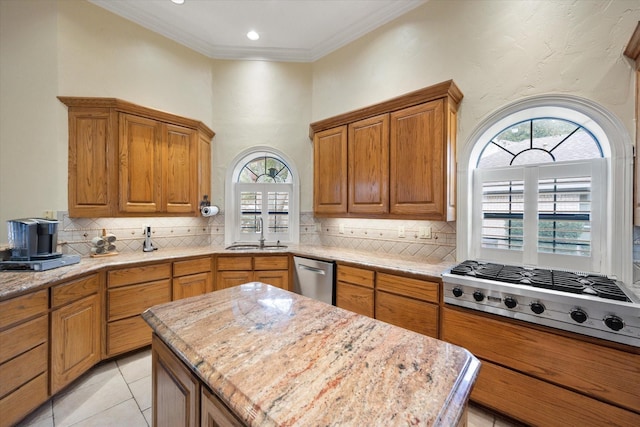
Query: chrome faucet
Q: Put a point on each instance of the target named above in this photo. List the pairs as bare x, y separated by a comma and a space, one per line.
261, 231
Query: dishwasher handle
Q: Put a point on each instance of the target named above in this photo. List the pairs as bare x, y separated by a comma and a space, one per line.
312, 269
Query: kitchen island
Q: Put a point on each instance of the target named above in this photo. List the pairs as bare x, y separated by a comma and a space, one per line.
271, 357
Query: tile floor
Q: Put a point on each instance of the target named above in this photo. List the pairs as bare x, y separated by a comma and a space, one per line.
118, 393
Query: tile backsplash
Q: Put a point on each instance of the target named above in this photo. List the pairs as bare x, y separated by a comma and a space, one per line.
381, 236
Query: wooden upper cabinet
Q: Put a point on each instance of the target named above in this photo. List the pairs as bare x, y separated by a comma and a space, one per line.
330, 171
633, 51
129, 160
401, 158
140, 164
368, 159
92, 181
418, 173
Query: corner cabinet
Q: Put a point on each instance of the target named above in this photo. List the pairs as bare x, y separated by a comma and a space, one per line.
395, 159
128, 160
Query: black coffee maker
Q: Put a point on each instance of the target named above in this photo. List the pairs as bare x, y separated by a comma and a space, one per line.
33, 239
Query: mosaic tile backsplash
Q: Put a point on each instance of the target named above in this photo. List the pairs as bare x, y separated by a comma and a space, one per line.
381, 236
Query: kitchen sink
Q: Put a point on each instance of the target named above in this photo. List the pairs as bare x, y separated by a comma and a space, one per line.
249, 247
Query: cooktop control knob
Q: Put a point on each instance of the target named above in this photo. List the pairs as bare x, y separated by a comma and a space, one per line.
457, 292
478, 296
579, 315
537, 307
510, 302
614, 323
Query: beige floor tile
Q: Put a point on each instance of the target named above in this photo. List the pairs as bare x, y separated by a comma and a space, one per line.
41, 417
478, 417
148, 415
97, 375
135, 366
84, 401
123, 414
141, 390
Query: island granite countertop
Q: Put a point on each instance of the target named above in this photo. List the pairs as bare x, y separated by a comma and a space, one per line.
276, 358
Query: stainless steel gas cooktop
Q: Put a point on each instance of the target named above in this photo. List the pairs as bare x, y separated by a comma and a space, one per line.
588, 304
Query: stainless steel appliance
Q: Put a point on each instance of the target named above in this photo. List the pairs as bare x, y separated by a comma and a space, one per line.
33, 244
587, 304
315, 279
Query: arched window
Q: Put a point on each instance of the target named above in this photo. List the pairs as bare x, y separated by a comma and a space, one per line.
261, 198
541, 185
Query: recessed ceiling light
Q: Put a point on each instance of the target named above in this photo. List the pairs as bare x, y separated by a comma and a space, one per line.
252, 35
178, 1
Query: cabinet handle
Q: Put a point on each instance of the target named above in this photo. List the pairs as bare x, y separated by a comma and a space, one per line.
312, 269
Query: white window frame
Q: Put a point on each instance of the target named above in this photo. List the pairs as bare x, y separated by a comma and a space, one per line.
616, 255
232, 199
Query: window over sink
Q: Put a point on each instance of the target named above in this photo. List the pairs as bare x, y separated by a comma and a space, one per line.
261, 198
547, 186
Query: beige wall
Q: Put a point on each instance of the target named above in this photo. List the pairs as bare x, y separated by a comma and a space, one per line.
496, 51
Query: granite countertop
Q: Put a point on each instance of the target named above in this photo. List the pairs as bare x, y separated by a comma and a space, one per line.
280, 359
13, 283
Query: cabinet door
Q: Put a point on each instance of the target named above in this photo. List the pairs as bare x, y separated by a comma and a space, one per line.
192, 285
277, 278
355, 298
228, 279
368, 154
215, 413
75, 340
418, 161
93, 172
176, 391
408, 313
140, 164
330, 171
179, 166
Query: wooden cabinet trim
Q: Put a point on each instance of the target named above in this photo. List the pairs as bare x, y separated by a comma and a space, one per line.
21, 308
447, 89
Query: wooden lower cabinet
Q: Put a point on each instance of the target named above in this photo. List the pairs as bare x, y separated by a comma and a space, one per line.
237, 270
192, 277
407, 302
24, 373
130, 291
176, 391
75, 329
354, 290
542, 378
214, 413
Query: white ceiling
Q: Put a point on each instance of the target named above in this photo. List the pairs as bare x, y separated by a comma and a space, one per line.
290, 30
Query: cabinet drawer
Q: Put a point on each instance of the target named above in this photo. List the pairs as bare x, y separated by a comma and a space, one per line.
134, 299
21, 308
235, 263
73, 291
270, 263
415, 288
127, 334
357, 276
408, 313
192, 266
147, 273
23, 368
23, 337
18, 404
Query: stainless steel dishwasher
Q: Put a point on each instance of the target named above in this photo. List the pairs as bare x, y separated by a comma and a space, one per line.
315, 279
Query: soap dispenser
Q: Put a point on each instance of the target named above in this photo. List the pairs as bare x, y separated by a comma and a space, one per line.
148, 246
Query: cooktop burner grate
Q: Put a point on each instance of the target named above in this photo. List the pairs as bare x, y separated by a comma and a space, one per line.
558, 280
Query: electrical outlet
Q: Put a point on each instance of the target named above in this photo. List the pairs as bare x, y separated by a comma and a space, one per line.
50, 214
341, 228
425, 232
401, 231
